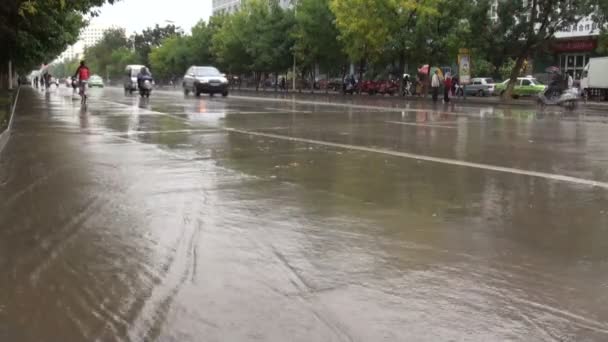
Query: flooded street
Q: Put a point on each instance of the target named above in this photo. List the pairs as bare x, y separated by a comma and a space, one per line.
266, 219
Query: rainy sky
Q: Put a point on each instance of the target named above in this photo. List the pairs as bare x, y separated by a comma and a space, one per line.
136, 15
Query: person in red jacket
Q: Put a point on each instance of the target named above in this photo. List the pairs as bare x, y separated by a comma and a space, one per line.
83, 73
447, 85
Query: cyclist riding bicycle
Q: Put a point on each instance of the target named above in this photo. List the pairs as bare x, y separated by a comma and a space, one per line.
83, 74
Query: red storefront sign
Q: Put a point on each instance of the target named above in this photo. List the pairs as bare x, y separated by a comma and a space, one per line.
575, 45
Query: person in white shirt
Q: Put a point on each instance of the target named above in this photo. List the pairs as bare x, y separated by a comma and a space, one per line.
435, 84
570, 81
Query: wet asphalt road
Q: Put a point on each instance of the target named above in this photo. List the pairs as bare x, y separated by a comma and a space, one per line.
244, 219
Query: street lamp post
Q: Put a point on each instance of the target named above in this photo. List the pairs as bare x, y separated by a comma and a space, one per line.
293, 81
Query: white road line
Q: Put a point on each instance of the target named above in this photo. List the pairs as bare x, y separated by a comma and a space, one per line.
550, 176
420, 124
166, 132
10, 122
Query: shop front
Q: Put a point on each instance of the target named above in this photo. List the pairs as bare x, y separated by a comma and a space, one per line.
574, 46
573, 54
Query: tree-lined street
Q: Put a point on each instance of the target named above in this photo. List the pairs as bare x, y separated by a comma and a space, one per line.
247, 218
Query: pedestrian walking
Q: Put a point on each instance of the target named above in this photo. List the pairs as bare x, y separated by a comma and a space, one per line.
447, 85
435, 84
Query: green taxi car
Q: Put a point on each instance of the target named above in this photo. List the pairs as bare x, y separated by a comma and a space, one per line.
95, 81
525, 86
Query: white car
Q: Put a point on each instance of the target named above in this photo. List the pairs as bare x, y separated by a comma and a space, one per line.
481, 86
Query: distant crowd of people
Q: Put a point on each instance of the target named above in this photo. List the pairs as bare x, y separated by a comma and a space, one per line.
44, 81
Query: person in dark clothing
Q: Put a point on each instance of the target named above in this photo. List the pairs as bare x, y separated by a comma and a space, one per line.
447, 86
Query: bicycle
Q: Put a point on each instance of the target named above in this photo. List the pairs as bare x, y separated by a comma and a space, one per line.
83, 92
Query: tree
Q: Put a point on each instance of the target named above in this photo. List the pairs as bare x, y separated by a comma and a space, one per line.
110, 55
65, 68
35, 31
402, 30
316, 36
152, 37
230, 43
172, 57
202, 39
256, 38
364, 33
525, 27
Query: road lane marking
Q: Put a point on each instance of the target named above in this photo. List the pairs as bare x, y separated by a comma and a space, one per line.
167, 131
420, 124
550, 176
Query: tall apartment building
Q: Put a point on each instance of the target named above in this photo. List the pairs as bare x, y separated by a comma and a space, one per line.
89, 36
230, 6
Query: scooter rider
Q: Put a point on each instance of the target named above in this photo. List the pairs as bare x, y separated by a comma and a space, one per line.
555, 88
142, 76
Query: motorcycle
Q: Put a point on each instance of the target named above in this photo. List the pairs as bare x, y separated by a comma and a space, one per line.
568, 98
146, 88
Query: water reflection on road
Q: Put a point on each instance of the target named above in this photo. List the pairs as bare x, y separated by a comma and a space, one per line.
188, 219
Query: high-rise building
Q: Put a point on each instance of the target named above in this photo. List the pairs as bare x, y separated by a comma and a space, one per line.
89, 36
230, 6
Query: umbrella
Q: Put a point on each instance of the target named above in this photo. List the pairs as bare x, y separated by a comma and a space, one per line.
552, 69
425, 70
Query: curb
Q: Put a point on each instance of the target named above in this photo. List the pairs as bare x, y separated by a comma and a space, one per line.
4, 136
472, 100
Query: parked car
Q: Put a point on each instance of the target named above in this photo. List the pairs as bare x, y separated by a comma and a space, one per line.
481, 86
95, 81
525, 86
205, 79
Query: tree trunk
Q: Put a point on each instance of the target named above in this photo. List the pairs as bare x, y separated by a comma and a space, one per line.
10, 75
401, 71
361, 67
312, 85
256, 78
276, 81
506, 96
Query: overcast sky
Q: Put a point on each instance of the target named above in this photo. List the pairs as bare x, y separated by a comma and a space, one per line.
136, 15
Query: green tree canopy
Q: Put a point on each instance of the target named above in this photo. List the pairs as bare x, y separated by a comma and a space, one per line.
152, 37
36, 31
110, 55
316, 36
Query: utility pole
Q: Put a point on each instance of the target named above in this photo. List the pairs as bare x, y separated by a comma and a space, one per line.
295, 11
10, 74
